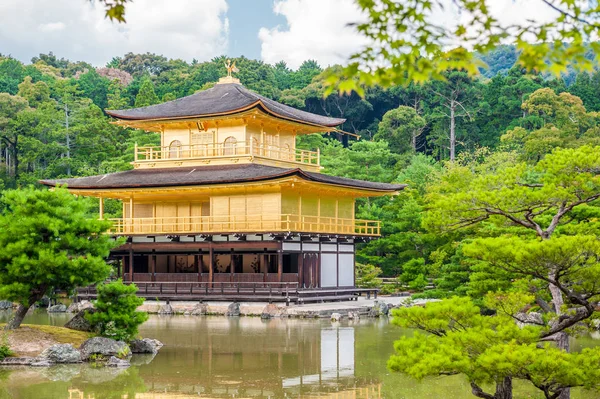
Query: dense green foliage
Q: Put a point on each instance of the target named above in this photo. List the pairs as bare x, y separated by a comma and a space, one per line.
48, 242
407, 43
116, 316
493, 113
488, 350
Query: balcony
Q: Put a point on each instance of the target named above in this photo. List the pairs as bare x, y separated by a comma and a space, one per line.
244, 224
226, 153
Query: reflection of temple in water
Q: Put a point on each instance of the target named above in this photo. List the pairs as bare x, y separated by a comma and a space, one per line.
285, 358
247, 358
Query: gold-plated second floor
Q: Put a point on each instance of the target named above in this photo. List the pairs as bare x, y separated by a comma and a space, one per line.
234, 140
245, 213
228, 152
246, 224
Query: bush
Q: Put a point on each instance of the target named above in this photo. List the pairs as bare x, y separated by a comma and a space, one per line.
366, 276
388, 289
5, 349
116, 316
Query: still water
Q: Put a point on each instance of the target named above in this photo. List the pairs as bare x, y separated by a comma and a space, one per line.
218, 357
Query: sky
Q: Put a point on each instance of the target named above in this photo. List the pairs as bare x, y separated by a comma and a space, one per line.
271, 30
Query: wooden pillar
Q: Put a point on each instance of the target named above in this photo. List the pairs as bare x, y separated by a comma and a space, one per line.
266, 263
337, 264
101, 211
120, 271
130, 262
153, 265
198, 262
231, 265
131, 213
279, 264
300, 270
211, 264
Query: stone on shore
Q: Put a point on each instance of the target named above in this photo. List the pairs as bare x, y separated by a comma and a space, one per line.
145, 345
41, 363
59, 308
353, 316
233, 310
336, 317
272, 310
116, 362
18, 361
166, 310
379, 309
77, 307
5, 305
200, 309
79, 322
61, 353
105, 347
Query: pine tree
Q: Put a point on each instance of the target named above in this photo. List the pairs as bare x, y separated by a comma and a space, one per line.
146, 96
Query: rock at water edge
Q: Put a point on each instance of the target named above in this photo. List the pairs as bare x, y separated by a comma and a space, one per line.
116, 362
233, 310
59, 308
336, 317
103, 346
272, 310
166, 309
353, 316
200, 309
79, 322
145, 345
77, 307
61, 353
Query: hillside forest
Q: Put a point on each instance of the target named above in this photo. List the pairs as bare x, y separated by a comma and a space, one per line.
440, 138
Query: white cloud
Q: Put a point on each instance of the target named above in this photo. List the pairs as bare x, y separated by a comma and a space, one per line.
52, 27
77, 29
317, 29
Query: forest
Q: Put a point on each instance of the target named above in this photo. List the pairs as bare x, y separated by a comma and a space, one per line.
436, 137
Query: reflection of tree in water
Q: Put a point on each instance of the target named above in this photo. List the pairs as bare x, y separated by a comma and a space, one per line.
105, 383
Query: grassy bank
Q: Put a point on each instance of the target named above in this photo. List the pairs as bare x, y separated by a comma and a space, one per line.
31, 340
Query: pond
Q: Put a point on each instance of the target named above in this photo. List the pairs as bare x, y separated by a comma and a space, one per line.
218, 357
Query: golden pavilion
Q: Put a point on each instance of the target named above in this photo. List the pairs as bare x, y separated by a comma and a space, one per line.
228, 208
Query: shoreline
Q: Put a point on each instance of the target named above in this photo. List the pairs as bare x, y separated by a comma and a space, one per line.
360, 307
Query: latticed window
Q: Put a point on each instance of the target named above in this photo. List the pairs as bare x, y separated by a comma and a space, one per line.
229, 145
175, 149
202, 143
202, 138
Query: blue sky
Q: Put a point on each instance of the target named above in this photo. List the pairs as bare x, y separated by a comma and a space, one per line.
270, 30
245, 22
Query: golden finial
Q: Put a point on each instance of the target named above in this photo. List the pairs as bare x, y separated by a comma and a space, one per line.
231, 68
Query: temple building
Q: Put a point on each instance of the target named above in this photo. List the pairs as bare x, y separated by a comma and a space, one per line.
227, 206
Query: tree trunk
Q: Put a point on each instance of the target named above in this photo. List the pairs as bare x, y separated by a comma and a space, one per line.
17, 319
452, 131
414, 141
504, 389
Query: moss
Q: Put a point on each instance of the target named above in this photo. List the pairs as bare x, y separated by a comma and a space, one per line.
62, 335
30, 339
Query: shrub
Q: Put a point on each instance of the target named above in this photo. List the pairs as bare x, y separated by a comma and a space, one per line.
116, 316
5, 349
366, 276
388, 289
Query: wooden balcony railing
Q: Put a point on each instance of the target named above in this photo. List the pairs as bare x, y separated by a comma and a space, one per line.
244, 224
226, 150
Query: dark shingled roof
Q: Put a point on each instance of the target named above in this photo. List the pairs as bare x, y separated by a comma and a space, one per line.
218, 174
222, 99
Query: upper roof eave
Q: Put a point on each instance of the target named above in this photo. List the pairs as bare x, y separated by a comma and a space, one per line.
223, 99
177, 177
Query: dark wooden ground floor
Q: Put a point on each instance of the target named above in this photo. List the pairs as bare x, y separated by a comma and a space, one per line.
230, 268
